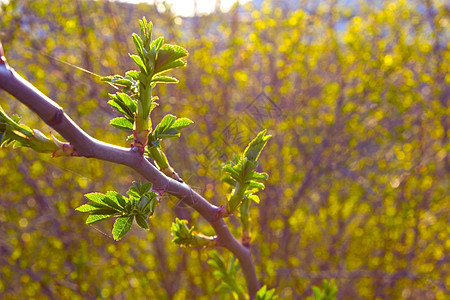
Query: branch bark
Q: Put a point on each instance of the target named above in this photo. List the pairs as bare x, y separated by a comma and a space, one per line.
85, 145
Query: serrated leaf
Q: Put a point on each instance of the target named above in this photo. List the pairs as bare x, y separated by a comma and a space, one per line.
121, 123
96, 198
255, 184
89, 207
169, 127
134, 192
167, 55
102, 200
124, 104
113, 203
122, 82
105, 211
139, 62
158, 43
169, 66
164, 79
182, 123
97, 218
117, 198
141, 221
164, 126
233, 171
121, 226
138, 43
259, 176
133, 74
168, 133
166, 122
146, 30
125, 99
119, 108
144, 188
255, 147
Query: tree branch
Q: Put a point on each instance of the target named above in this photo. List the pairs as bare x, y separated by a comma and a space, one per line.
85, 145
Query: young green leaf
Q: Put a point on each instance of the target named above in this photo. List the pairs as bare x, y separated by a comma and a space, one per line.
255, 184
118, 80
120, 107
139, 62
117, 198
169, 66
181, 123
255, 147
127, 101
166, 122
259, 176
169, 127
121, 123
254, 198
14, 123
185, 236
98, 217
138, 43
146, 31
265, 294
97, 198
164, 79
226, 272
233, 171
133, 192
141, 221
167, 55
157, 43
317, 292
121, 226
122, 82
144, 188
133, 74
89, 207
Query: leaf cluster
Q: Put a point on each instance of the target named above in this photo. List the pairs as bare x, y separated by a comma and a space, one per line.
136, 101
328, 292
241, 173
168, 127
227, 273
153, 58
139, 205
20, 135
185, 236
265, 294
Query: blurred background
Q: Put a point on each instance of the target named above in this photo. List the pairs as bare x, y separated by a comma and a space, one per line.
355, 94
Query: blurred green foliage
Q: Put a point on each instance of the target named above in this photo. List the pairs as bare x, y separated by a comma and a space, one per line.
356, 99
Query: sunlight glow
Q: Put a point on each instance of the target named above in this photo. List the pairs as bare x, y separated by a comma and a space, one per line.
185, 8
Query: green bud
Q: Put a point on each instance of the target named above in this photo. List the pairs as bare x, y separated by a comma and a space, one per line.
40, 143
